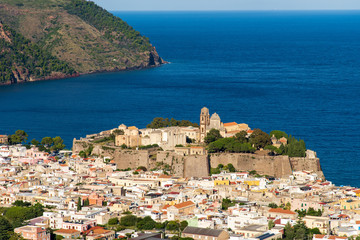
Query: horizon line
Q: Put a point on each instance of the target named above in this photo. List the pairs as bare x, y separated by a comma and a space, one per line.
239, 10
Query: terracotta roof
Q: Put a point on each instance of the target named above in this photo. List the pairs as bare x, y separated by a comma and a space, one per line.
96, 231
280, 210
230, 124
184, 204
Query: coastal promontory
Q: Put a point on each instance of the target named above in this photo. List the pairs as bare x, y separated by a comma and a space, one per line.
62, 38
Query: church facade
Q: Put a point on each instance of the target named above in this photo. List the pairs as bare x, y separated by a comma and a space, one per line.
207, 123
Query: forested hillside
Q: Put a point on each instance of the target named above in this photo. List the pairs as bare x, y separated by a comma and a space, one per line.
21, 60
45, 39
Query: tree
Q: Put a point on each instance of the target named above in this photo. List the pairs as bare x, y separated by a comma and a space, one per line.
315, 231
20, 203
289, 232
59, 237
159, 225
183, 225
271, 224
287, 206
82, 154
113, 221
35, 142
172, 226
5, 228
118, 132
226, 203
147, 223
128, 221
78, 205
58, 144
241, 137
231, 168
19, 137
273, 205
212, 136
47, 141
15, 236
86, 202
259, 139
278, 134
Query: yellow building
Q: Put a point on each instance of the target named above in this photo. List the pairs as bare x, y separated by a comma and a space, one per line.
252, 182
218, 182
349, 204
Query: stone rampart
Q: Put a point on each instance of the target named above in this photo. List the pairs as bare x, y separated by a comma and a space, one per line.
199, 165
277, 166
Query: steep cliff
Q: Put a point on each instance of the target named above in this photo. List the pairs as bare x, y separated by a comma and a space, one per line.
81, 36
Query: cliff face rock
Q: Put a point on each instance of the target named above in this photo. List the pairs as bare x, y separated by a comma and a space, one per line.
84, 37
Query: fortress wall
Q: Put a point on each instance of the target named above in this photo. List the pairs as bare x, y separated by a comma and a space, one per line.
196, 166
79, 146
277, 166
185, 166
131, 159
307, 164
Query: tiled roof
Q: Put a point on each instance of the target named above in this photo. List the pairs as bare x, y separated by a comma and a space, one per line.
184, 204
280, 210
230, 124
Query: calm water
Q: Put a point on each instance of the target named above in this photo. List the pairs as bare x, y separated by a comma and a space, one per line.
294, 71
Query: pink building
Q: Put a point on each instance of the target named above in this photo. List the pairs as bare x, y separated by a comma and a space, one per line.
30, 161
304, 204
33, 233
35, 153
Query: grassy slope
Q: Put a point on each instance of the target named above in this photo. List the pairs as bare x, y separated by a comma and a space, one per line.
70, 38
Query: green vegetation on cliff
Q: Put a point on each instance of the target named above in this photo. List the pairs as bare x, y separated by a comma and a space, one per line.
160, 122
241, 143
57, 38
19, 58
113, 27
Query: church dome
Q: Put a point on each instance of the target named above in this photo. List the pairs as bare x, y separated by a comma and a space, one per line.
215, 116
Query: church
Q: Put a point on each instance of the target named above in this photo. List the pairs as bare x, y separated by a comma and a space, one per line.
226, 129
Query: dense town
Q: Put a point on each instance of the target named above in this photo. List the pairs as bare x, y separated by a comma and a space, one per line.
69, 195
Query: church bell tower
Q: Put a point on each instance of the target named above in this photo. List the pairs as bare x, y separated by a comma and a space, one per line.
204, 122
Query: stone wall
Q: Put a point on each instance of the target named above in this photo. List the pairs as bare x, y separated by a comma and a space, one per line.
277, 166
274, 166
307, 164
185, 166
198, 166
79, 146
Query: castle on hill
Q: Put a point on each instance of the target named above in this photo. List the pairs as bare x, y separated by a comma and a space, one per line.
170, 137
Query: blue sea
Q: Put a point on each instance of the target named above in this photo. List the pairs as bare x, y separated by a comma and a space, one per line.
292, 71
